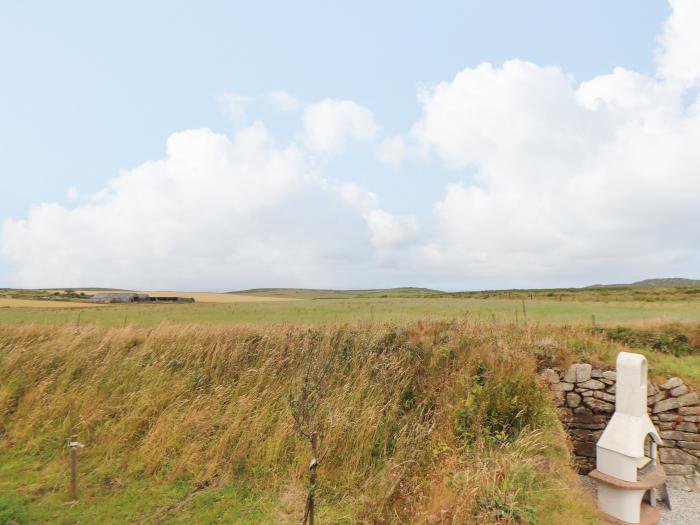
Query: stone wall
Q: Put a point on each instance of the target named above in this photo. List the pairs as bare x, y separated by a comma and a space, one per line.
585, 397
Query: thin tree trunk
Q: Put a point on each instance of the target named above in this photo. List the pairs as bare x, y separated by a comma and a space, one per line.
312, 477
310, 507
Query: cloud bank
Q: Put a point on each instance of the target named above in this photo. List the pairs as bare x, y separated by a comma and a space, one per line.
562, 182
329, 125
214, 212
594, 178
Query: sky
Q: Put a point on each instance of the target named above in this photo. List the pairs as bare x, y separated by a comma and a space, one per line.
457, 145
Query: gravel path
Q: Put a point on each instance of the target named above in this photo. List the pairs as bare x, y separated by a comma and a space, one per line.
686, 508
686, 503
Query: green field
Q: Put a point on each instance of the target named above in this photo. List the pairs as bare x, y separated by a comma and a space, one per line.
395, 310
599, 305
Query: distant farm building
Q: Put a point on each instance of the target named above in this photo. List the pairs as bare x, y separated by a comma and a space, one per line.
131, 297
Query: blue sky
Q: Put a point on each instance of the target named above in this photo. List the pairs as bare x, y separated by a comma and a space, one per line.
90, 90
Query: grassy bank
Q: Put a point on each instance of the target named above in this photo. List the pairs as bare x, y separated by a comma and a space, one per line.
421, 422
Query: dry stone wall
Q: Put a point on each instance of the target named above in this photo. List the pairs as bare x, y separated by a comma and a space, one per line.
585, 397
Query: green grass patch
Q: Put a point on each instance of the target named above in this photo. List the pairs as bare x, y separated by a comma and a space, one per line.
374, 309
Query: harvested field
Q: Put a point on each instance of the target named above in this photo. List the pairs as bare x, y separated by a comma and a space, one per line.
212, 297
200, 297
30, 303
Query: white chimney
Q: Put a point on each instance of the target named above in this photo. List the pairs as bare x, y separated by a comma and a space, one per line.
626, 469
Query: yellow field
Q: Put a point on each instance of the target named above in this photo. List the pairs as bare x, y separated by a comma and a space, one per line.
200, 297
205, 297
30, 303
210, 297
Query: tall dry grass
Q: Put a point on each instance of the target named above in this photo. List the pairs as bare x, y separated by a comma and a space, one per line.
210, 404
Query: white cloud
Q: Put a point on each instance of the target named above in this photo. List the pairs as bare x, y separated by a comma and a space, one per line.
72, 194
486, 111
392, 151
679, 55
570, 181
215, 212
235, 104
390, 231
330, 124
282, 101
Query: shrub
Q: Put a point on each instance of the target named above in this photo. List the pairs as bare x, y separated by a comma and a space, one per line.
671, 339
499, 406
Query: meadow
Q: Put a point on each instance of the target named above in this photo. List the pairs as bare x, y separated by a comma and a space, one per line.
429, 405
193, 424
271, 306
390, 309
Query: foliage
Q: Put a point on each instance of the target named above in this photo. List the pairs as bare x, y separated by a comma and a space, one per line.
672, 339
500, 404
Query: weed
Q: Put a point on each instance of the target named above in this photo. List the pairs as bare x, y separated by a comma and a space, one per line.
12, 512
499, 406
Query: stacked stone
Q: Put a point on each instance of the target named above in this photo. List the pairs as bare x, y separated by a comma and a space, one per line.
585, 397
675, 411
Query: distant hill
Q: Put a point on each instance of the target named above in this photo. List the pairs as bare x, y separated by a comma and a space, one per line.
310, 293
669, 282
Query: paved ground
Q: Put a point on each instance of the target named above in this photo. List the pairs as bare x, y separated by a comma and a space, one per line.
685, 502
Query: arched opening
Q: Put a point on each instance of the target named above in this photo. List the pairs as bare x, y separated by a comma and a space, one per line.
649, 460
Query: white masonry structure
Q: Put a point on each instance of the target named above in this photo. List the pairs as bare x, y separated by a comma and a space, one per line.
626, 467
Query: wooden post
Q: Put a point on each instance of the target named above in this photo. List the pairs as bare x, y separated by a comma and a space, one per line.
311, 503
524, 312
516, 316
73, 489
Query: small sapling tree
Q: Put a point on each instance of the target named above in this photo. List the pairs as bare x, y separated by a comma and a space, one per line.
305, 403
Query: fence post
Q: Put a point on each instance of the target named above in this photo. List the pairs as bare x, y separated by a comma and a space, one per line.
73, 489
